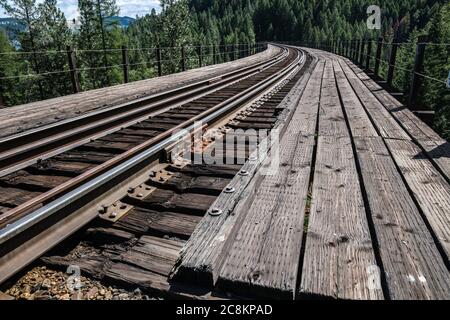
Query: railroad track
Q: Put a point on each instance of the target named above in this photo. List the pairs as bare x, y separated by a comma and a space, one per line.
114, 164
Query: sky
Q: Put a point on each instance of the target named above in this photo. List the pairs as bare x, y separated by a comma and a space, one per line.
129, 8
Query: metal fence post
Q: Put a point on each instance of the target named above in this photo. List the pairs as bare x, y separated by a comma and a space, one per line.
361, 52
393, 56
418, 68
2, 103
369, 52
125, 64
200, 56
158, 60
183, 59
378, 56
73, 70
214, 54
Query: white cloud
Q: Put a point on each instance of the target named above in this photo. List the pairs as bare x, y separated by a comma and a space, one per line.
129, 8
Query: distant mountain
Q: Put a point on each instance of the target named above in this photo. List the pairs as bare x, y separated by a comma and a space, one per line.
11, 24
124, 22
12, 28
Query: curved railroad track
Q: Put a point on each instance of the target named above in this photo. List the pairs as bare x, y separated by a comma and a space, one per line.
114, 163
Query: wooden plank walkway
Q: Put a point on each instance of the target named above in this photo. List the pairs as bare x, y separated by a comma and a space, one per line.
359, 208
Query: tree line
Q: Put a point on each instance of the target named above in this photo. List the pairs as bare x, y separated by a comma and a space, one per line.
191, 23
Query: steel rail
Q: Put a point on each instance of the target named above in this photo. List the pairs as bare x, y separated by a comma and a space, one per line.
137, 157
24, 208
26, 148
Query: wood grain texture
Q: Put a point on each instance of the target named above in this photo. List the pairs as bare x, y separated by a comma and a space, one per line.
263, 260
358, 119
414, 269
430, 189
332, 122
203, 256
384, 122
339, 248
437, 149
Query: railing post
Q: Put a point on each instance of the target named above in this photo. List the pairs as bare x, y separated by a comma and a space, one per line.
2, 103
378, 56
73, 70
214, 54
125, 64
361, 52
356, 53
353, 49
200, 56
418, 68
183, 59
369, 52
158, 60
392, 58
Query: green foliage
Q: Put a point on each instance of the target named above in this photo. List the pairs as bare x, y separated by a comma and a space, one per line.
194, 23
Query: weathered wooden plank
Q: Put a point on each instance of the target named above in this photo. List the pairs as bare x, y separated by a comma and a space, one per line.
12, 197
437, 149
166, 200
383, 121
202, 257
227, 171
263, 260
412, 264
430, 189
140, 132
152, 254
339, 248
108, 146
63, 168
85, 156
117, 137
359, 122
332, 122
182, 183
23, 179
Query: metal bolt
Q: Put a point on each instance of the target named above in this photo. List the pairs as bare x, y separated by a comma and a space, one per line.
140, 195
230, 190
113, 215
131, 190
123, 207
244, 173
215, 212
161, 179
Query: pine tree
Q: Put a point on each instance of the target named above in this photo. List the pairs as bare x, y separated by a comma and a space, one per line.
53, 38
26, 12
96, 35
